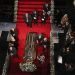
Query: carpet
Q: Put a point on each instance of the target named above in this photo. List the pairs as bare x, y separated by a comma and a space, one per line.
23, 30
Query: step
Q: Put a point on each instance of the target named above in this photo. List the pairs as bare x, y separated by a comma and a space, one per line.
30, 3
30, 6
32, 23
31, 0
34, 0
22, 13
39, 21
21, 17
24, 10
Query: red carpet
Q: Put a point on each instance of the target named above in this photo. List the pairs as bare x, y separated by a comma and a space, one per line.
23, 30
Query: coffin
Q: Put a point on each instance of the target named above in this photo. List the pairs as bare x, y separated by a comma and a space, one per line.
29, 54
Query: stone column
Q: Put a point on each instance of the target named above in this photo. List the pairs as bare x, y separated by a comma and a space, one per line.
15, 10
52, 67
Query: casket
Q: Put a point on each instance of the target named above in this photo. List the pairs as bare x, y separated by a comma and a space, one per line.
29, 54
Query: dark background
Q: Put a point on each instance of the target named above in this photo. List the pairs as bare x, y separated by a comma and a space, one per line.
6, 10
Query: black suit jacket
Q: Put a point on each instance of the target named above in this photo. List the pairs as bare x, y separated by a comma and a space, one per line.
46, 8
29, 22
44, 17
35, 14
46, 43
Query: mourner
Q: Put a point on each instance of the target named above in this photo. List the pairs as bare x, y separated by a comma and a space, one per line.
46, 8
28, 19
35, 16
43, 17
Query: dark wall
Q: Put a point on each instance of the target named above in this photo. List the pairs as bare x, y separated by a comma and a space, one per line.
63, 2
6, 10
66, 6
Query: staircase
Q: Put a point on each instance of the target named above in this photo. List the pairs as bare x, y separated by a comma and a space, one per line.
29, 7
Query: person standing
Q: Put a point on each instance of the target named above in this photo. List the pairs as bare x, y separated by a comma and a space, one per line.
28, 19
43, 17
35, 16
46, 8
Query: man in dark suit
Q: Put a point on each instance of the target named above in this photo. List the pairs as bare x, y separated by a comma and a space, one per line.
46, 8
35, 16
45, 43
43, 17
28, 19
57, 16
